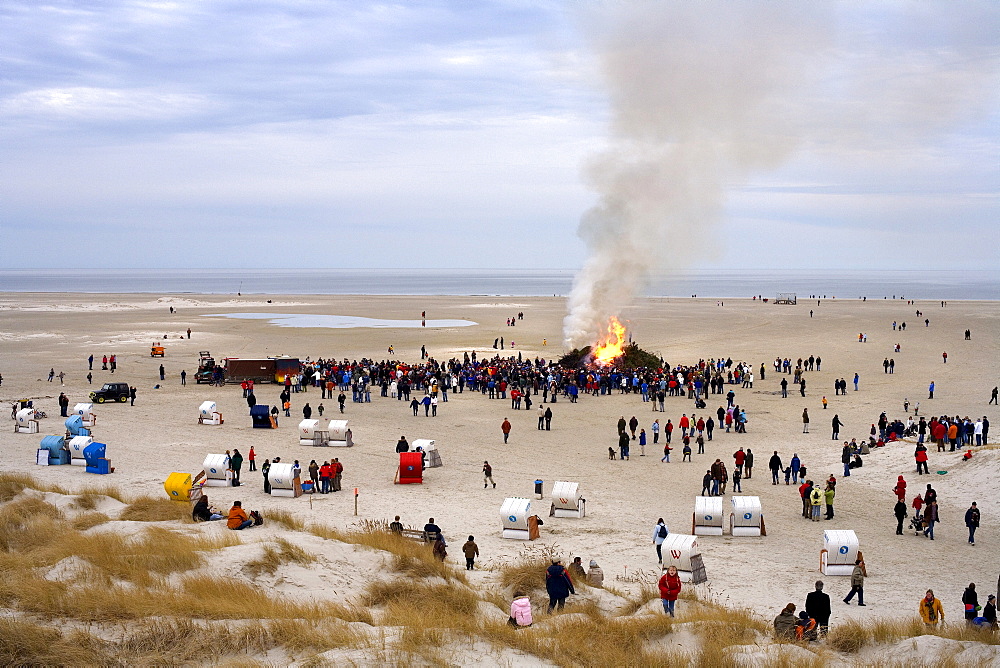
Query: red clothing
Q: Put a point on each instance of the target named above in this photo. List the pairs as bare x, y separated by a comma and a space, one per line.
251, 455
670, 587
685, 423
325, 471
740, 457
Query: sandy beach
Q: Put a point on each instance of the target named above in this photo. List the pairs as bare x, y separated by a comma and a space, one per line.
160, 434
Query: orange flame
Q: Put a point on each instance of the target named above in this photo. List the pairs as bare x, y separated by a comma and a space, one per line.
610, 348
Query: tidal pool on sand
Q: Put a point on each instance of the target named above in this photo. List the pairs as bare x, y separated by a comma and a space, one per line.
338, 321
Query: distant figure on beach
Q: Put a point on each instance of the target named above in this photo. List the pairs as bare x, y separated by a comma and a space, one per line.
505, 428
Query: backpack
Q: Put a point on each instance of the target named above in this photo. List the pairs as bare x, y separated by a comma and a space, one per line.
257, 519
663, 532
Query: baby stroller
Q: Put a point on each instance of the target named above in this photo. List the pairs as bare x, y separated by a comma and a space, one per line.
917, 524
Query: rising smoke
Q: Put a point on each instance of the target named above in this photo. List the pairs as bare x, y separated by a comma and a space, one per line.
704, 95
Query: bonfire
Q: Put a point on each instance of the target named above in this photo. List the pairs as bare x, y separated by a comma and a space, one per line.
612, 351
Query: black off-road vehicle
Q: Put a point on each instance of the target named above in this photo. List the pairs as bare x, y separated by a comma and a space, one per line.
111, 392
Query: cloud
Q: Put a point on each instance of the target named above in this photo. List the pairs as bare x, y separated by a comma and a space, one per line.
461, 129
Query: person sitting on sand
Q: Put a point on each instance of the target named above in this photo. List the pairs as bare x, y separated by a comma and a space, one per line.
576, 569
595, 576
238, 518
520, 611
202, 512
784, 623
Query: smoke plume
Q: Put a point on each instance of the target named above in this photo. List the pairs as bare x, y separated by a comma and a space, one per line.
702, 96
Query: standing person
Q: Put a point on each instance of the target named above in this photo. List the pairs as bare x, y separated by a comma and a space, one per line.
236, 464
930, 390
633, 424
440, 549
660, 533
775, 465
325, 476
931, 610
900, 512
131, 395
818, 607
623, 444
829, 493
900, 488
655, 428
857, 584
748, 465
993, 395
740, 458
342, 400
816, 502
90, 363
163, 373
857, 379
548, 419
669, 586
805, 420
488, 475
63, 405
845, 459
930, 518
541, 418
970, 599
471, 551
837, 424
252, 458
265, 469
558, 585
338, 474
972, 521
184, 377
505, 428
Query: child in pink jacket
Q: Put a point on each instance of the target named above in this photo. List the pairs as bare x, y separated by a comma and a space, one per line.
520, 611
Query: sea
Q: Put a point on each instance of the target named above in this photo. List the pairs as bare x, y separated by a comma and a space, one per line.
714, 283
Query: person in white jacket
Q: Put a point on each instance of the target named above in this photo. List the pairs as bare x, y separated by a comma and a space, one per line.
520, 611
660, 533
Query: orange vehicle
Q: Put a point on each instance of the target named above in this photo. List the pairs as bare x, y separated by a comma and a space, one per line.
156, 350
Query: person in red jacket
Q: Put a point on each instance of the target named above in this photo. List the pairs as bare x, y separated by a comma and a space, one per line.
670, 587
685, 424
900, 489
938, 433
325, 475
740, 457
252, 458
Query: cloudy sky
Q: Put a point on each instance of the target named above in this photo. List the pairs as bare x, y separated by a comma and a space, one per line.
228, 133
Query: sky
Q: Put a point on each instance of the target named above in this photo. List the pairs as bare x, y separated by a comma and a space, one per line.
226, 133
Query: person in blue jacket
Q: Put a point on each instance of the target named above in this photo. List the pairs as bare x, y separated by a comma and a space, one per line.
558, 585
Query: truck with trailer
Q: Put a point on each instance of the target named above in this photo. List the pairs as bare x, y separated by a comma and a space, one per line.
259, 370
